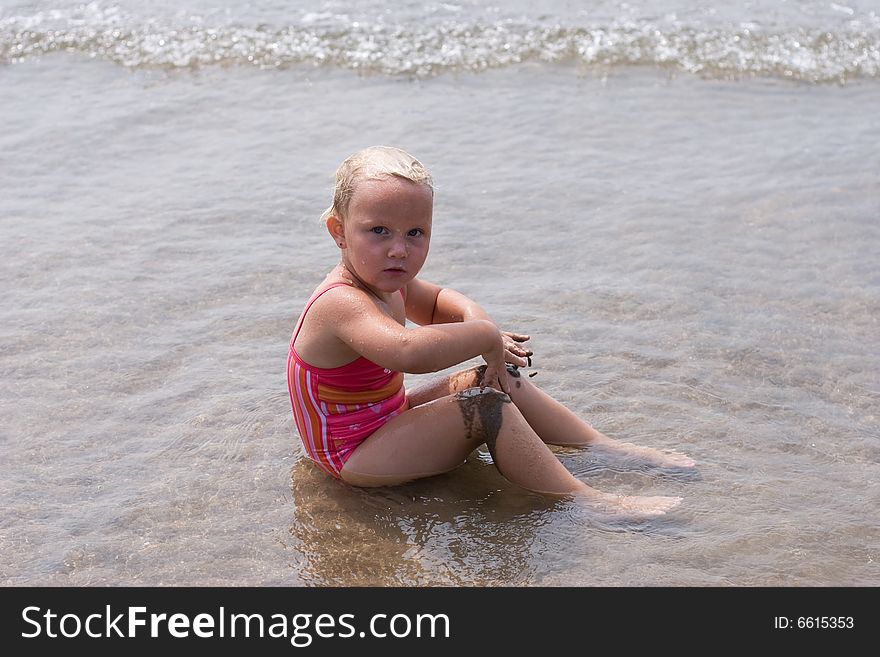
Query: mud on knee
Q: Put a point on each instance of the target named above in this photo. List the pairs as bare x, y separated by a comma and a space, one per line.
483, 413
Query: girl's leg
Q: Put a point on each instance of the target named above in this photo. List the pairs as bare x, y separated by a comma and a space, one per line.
552, 421
437, 436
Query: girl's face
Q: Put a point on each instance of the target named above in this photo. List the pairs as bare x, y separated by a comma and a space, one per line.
387, 232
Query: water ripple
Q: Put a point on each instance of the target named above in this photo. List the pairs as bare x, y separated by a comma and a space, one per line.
425, 50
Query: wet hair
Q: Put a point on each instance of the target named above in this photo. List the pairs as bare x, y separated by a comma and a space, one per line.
374, 163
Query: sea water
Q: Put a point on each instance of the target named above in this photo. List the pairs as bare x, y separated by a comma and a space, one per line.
678, 201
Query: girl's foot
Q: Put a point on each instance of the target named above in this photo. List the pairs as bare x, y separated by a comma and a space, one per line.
648, 455
626, 505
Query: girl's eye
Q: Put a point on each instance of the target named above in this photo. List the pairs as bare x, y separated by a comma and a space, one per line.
415, 232
379, 230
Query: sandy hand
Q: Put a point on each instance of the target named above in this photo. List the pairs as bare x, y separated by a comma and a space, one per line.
495, 374
513, 351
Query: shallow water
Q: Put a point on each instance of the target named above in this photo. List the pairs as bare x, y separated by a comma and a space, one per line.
694, 256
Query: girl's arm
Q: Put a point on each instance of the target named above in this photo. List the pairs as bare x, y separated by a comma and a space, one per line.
355, 320
427, 303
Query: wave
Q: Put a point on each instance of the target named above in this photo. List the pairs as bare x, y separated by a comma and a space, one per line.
804, 54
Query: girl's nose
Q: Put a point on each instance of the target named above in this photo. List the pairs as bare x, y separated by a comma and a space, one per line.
397, 249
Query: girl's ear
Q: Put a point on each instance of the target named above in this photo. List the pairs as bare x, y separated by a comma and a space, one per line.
336, 230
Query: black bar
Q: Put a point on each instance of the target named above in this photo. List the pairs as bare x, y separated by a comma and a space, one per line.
528, 621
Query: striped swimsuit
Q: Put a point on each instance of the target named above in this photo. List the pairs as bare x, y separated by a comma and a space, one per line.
338, 408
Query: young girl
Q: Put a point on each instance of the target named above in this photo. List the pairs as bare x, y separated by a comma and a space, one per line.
351, 346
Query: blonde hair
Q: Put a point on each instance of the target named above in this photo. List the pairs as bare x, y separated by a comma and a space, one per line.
373, 163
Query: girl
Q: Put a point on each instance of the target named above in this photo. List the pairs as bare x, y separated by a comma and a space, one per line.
351, 346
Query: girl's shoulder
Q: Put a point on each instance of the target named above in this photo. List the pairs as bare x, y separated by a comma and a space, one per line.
338, 299
332, 295
331, 308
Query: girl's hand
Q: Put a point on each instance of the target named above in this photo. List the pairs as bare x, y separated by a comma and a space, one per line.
496, 371
513, 352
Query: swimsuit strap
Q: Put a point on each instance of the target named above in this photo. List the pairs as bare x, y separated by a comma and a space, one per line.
309, 305
316, 297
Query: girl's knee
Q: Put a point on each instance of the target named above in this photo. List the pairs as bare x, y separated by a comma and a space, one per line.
473, 378
483, 411
468, 378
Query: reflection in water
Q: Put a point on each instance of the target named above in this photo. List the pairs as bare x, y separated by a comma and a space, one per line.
469, 527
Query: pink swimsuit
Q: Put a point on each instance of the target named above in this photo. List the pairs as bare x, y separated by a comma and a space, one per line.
338, 408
